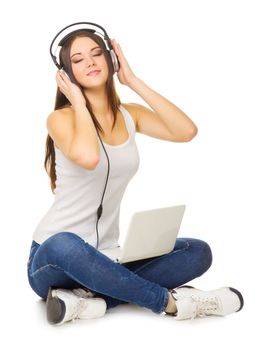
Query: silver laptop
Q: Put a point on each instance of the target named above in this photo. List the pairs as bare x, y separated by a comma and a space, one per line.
150, 233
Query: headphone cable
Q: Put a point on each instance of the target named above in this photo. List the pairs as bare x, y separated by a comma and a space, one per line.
100, 208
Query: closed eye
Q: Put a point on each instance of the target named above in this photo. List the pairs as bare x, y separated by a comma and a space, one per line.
98, 54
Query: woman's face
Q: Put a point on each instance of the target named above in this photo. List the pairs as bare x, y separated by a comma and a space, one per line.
86, 56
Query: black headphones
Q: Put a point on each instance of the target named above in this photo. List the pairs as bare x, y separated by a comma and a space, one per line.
64, 34
62, 37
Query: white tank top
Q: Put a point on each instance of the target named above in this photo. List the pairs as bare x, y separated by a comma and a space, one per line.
79, 191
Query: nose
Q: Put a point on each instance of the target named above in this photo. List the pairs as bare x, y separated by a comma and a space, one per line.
89, 61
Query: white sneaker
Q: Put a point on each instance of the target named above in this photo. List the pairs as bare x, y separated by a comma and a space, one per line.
192, 302
65, 305
83, 292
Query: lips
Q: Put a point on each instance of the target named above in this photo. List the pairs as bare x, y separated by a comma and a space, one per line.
94, 72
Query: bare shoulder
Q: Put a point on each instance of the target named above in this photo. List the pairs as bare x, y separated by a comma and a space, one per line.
132, 108
65, 111
58, 118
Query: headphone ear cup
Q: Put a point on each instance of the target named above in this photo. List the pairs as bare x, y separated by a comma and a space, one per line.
115, 61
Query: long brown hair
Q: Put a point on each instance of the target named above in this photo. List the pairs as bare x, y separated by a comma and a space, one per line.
61, 101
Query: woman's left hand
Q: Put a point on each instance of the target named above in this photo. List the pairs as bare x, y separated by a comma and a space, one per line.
125, 74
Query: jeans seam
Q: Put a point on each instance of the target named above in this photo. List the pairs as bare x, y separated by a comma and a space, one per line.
161, 311
32, 275
43, 267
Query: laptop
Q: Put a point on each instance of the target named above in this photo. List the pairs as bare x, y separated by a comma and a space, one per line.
150, 233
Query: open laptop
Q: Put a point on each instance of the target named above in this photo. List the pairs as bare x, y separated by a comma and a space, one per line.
150, 233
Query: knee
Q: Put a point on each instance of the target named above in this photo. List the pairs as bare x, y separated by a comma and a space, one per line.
203, 253
207, 256
63, 237
58, 247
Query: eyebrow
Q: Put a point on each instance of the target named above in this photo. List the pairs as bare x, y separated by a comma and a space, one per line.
79, 53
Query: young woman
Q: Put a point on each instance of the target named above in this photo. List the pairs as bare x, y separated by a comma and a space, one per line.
66, 266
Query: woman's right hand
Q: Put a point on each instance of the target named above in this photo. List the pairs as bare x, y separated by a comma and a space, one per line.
70, 90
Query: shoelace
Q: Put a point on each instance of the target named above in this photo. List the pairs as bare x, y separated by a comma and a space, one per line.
79, 307
206, 306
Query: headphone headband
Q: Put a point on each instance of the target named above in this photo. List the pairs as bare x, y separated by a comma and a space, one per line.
63, 35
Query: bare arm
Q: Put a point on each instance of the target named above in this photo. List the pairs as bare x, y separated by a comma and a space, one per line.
85, 145
166, 121
179, 126
72, 129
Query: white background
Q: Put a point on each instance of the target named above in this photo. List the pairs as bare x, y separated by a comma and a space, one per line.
205, 57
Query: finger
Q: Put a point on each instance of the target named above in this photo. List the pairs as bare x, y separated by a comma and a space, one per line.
65, 76
119, 48
114, 44
59, 80
62, 74
61, 84
61, 77
61, 89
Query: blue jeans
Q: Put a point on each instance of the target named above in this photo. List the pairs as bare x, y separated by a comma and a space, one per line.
65, 260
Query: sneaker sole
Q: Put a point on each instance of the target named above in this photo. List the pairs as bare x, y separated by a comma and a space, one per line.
240, 296
55, 307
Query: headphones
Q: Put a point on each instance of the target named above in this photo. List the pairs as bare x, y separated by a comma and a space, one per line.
62, 36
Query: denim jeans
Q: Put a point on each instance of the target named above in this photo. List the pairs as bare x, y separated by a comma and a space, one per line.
65, 260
